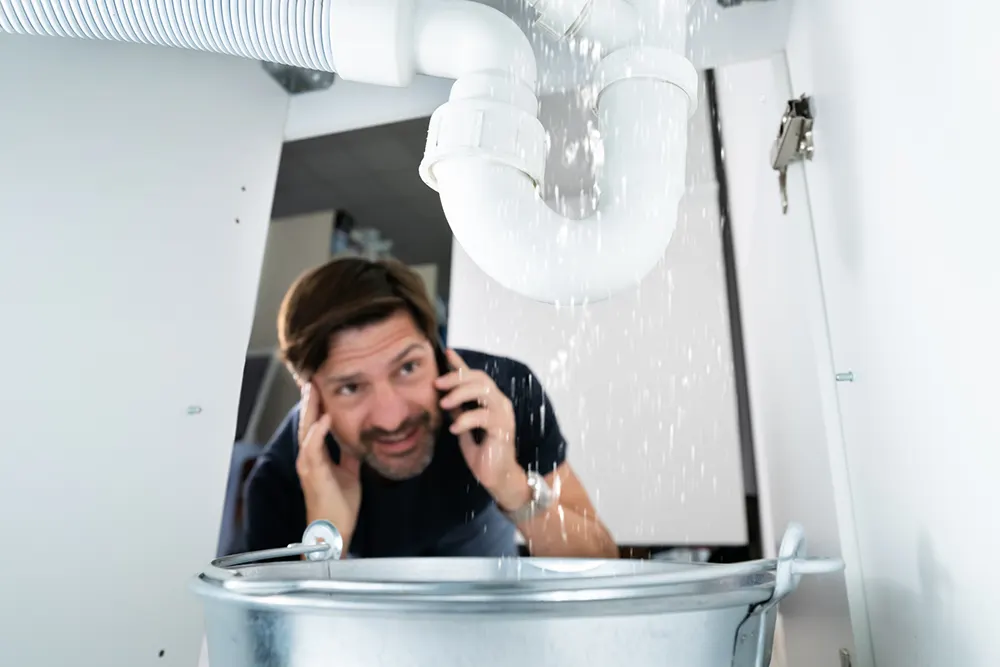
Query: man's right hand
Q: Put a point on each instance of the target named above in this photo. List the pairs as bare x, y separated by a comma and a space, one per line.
332, 491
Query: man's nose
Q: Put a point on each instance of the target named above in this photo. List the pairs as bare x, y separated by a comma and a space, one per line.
390, 409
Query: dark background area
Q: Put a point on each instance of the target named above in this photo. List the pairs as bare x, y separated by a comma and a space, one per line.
372, 174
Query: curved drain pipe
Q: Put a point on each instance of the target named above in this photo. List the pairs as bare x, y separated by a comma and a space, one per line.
485, 151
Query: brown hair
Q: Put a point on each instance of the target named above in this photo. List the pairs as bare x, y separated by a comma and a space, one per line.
347, 293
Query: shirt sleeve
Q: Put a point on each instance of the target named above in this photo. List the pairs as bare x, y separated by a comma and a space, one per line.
540, 443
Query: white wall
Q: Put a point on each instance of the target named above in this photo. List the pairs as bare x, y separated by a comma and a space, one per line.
904, 198
800, 466
642, 384
127, 290
894, 281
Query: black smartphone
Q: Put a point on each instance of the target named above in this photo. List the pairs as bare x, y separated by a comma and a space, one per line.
444, 366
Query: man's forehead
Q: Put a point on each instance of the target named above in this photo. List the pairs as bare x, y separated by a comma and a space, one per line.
347, 361
375, 334
371, 340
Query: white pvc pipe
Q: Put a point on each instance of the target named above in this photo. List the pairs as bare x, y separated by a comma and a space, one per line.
452, 39
610, 23
494, 210
512, 235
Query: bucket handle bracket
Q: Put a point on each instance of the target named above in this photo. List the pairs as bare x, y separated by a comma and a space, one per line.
756, 632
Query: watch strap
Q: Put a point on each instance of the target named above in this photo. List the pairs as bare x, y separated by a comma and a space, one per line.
542, 498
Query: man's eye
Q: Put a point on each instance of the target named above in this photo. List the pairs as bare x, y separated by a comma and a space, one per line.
408, 368
347, 390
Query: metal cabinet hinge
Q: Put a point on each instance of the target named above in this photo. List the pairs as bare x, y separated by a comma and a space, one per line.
845, 658
793, 143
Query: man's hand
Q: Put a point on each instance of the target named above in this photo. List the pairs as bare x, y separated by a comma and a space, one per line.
494, 461
332, 492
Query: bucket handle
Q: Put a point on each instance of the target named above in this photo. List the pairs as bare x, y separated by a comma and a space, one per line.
322, 541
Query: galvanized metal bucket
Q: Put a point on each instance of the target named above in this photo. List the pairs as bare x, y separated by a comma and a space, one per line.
485, 612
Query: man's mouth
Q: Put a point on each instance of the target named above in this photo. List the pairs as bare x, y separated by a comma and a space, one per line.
400, 443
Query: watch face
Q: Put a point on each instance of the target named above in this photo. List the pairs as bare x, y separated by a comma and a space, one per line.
539, 489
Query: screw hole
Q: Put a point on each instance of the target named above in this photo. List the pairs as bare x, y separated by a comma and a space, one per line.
237, 221
243, 188
162, 652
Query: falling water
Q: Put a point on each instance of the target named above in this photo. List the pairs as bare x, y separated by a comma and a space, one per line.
642, 384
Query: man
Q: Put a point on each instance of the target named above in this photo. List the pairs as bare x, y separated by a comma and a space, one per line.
408, 449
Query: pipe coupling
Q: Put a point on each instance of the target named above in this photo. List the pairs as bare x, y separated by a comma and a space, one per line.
497, 128
371, 41
647, 62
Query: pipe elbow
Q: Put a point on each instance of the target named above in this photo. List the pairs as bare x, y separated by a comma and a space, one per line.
512, 235
485, 155
454, 39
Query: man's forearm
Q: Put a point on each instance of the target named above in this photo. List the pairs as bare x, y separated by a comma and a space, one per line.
560, 532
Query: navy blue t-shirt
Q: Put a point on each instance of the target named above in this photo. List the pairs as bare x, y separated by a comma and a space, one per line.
441, 512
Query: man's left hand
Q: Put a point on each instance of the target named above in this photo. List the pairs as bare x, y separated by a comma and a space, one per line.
494, 461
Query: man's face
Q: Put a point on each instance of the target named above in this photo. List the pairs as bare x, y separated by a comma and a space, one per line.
377, 385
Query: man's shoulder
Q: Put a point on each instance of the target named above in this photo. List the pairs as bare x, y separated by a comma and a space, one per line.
279, 453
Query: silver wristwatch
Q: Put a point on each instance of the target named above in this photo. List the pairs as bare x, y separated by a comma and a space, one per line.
542, 498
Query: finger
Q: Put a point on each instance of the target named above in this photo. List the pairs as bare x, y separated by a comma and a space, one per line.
474, 392
313, 447
448, 380
471, 419
460, 376
309, 411
456, 361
